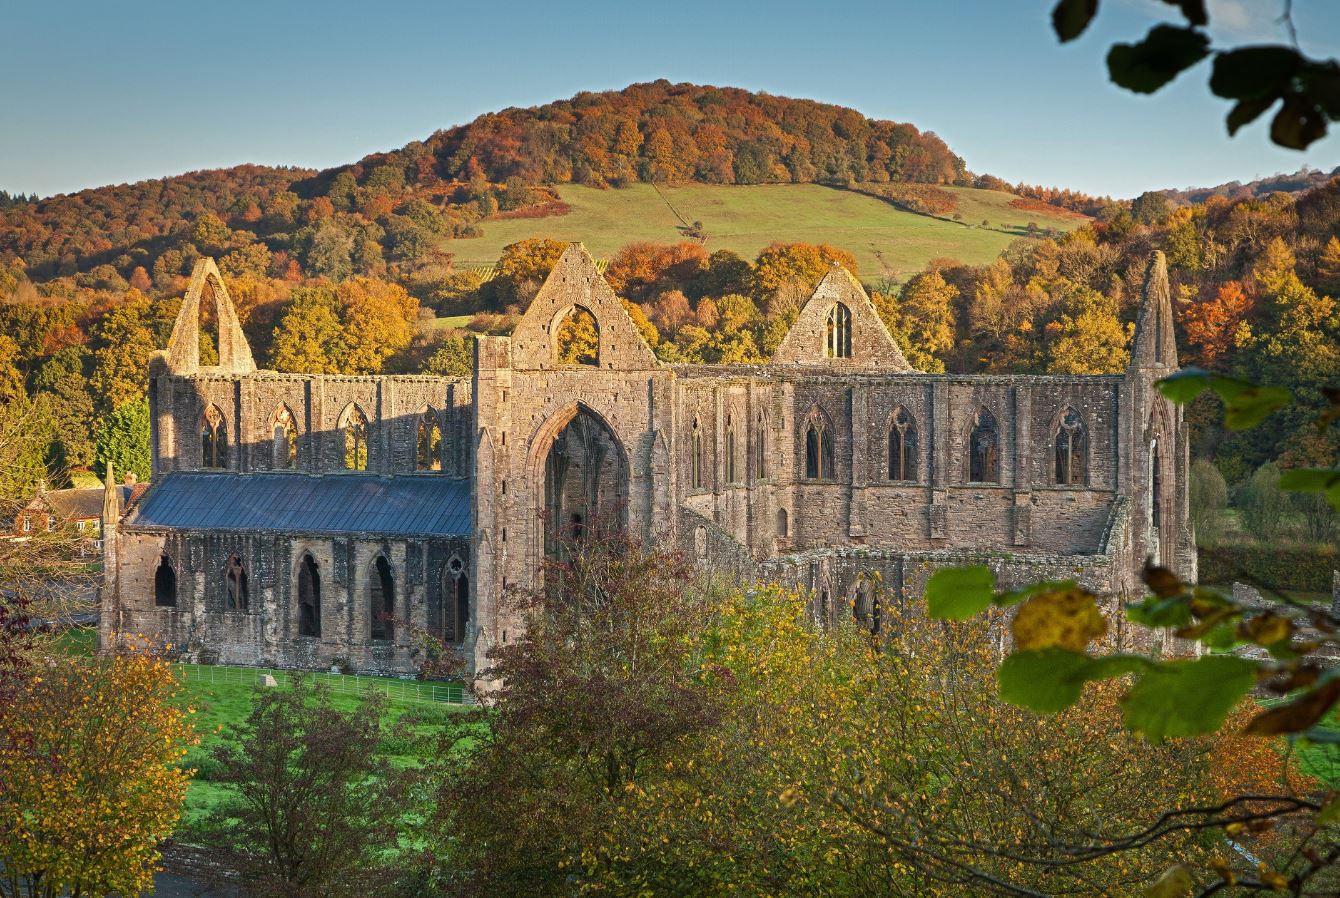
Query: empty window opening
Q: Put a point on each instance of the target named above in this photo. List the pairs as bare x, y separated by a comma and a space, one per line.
984, 449
309, 598
428, 445
761, 449
213, 439
1072, 447
902, 446
462, 609
577, 338
355, 428
165, 583
696, 462
781, 523
236, 591
837, 343
730, 450
381, 599
285, 440
819, 455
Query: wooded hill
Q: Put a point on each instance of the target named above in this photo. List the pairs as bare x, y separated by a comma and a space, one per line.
397, 207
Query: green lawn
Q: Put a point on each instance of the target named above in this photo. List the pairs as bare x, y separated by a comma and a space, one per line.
452, 321
886, 241
223, 695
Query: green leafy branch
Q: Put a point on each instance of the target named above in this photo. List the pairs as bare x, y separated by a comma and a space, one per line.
1255, 78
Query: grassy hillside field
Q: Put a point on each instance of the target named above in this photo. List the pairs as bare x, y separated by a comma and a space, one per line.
886, 241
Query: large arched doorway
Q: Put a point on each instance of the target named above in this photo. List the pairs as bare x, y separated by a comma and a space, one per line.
585, 483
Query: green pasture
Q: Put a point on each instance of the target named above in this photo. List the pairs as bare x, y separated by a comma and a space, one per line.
887, 242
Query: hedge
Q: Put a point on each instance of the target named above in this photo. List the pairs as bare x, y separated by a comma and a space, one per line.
1304, 568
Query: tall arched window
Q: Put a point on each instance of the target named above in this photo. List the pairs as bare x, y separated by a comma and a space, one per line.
761, 448
577, 338
984, 449
165, 583
1072, 450
236, 592
309, 597
696, 462
819, 455
462, 608
285, 440
381, 599
782, 523
730, 450
837, 343
355, 428
213, 439
1155, 486
428, 446
902, 446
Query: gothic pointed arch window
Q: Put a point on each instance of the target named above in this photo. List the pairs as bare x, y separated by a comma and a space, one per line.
696, 459
837, 332
236, 590
354, 427
1072, 450
984, 448
819, 453
165, 582
577, 337
309, 597
285, 430
730, 449
455, 599
428, 444
381, 599
761, 448
902, 446
213, 438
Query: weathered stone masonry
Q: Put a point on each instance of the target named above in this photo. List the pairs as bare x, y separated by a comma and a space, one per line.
833, 461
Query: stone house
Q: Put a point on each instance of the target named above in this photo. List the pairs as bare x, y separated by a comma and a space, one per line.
305, 520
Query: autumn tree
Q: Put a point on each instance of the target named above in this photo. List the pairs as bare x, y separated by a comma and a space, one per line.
523, 266
90, 776
1214, 326
925, 321
377, 320
310, 337
805, 262
123, 342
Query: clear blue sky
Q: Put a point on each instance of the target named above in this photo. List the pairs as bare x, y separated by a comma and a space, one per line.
95, 93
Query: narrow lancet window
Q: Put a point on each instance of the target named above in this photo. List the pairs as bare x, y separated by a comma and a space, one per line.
355, 429
902, 446
837, 333
285, 441
213, 439
984, 449
730, 450
1072, 447
819, 455
761, 449
696, 462
428, 446
381, 599
309, 598
236, 591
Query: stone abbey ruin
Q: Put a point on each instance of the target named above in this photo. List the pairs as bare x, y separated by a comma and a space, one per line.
299, 520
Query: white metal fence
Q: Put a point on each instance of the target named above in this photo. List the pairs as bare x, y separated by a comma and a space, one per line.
340, 684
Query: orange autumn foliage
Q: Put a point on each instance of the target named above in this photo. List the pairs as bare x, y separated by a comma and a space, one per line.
89, 776
1211, 326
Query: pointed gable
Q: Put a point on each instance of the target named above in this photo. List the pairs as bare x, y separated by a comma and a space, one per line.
1155, 344
576, 283
808, 341
183, 352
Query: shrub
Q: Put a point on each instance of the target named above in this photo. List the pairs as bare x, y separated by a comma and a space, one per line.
1209, 497
1262, 503
1281, 567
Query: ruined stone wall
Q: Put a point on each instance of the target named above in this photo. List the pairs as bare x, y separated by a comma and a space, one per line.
266, 631
319, 405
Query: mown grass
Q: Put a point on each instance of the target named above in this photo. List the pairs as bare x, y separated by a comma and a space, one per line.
887, 242
217, 705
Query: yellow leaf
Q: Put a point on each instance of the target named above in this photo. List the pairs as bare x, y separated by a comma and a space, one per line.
1065, 618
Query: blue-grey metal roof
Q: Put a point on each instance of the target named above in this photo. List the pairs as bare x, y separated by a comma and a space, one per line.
426, 505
